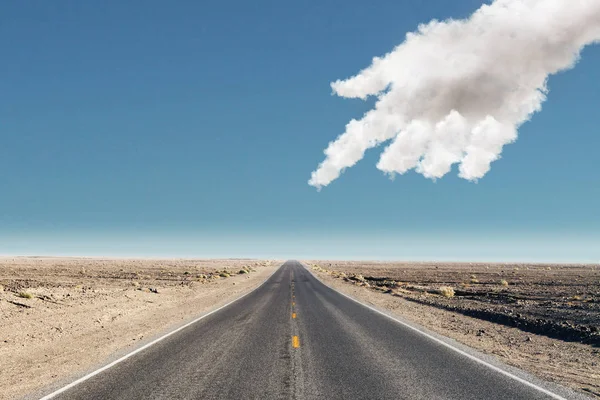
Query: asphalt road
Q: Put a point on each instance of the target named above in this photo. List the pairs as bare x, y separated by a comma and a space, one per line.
295, 338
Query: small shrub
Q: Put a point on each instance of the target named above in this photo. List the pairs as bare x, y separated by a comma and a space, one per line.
503, 282
224, 275
474, 280
446, 291
242, 271
25, 295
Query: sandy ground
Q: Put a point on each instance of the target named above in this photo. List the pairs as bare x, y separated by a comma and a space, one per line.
61, 317
552, 295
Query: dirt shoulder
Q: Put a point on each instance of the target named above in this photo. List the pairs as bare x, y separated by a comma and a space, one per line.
60, 317
416, 292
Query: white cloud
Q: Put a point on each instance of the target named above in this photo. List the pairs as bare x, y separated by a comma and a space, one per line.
456, 91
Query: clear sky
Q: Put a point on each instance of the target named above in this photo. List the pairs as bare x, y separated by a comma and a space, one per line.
190, 128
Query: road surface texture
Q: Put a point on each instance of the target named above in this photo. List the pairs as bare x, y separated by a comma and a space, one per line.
295, 338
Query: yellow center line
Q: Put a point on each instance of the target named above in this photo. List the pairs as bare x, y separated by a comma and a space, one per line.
294, 315
295, 342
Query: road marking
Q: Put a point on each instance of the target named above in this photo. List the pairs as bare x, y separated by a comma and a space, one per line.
294, 315
144, 347
447, 345
295, 342
293, 303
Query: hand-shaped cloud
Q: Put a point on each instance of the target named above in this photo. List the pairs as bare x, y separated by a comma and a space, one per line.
457, 91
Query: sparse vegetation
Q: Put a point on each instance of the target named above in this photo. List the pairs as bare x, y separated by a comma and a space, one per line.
557, 302
471, 292
446, 291
51, 305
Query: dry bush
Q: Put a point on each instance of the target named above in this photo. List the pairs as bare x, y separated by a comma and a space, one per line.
446, 291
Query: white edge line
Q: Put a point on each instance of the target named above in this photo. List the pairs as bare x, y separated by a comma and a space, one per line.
439, 341
144, 347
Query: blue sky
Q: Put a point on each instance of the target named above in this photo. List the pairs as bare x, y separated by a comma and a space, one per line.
190, 129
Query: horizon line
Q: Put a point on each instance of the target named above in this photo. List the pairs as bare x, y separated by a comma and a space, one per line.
449, 260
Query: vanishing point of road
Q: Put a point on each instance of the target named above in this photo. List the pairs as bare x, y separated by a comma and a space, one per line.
296, 338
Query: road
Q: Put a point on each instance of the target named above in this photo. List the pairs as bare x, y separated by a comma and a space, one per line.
295, 338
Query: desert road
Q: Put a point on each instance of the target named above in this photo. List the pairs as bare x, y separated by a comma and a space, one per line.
295, 338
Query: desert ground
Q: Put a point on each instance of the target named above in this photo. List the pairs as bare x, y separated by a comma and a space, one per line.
61, 317
544, 319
